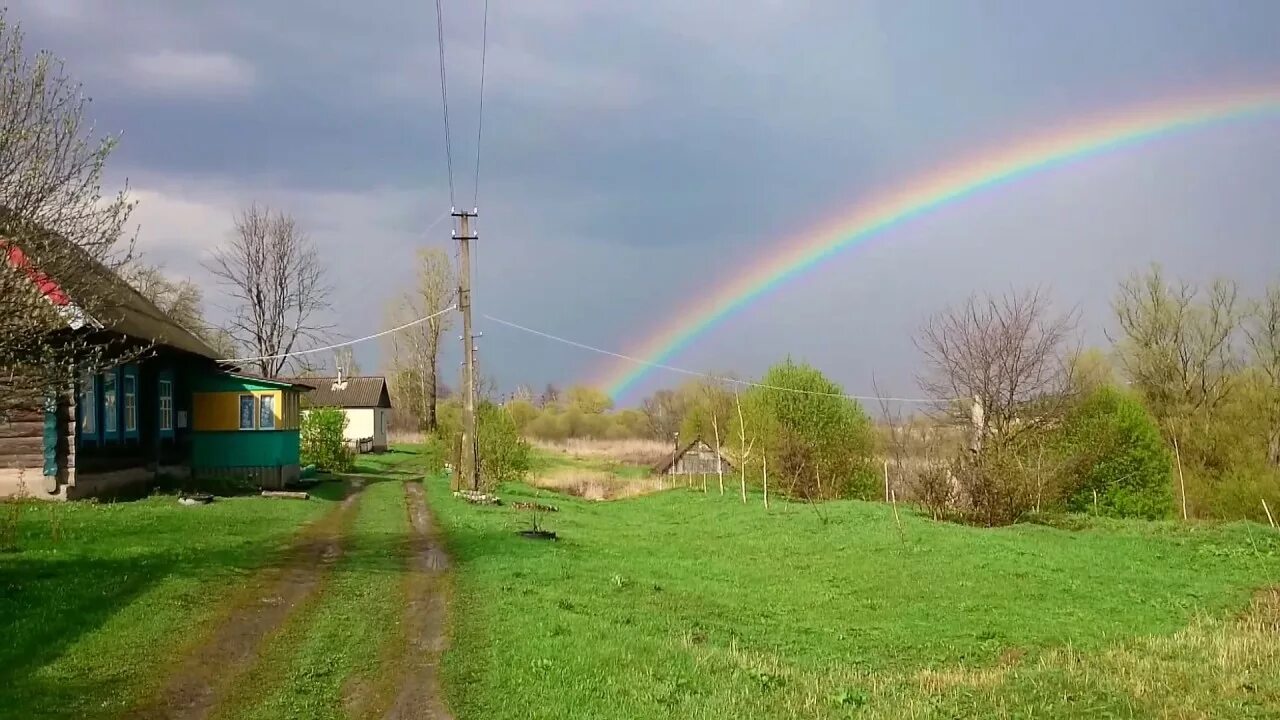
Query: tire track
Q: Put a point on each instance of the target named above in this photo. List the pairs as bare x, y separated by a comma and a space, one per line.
410, 689
196, 685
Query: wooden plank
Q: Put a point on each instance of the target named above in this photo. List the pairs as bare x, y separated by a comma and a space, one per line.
31, 461
23, 416
22, 429
22, 445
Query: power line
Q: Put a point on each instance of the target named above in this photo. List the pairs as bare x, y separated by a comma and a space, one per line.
444, 99
409, 324
484, 53
708, 376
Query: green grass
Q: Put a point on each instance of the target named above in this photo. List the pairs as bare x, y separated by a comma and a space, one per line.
305, 669
692, 606
544, 460
90, 621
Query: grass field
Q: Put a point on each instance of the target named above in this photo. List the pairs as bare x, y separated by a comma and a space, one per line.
99, 598
692, 606
676, 604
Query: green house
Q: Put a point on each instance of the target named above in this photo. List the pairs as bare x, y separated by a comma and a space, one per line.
246, 426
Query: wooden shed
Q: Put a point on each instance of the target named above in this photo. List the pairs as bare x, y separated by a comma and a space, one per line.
695, 458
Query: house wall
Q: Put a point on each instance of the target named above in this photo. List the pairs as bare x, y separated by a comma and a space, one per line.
267, 455
360, 423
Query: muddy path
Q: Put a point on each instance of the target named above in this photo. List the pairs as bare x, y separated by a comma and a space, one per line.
407, 684
198, 681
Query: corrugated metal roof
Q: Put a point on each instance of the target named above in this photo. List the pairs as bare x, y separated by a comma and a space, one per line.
355, 392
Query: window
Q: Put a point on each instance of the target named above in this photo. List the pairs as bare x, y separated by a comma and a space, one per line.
166, 405
88, 406
130, 403
246, 412
267, 412
109, 413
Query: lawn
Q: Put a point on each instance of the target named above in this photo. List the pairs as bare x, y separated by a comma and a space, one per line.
687, 605
99, 598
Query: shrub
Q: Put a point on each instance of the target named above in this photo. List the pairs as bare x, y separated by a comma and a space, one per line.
322, 441
1111, 445
504, 455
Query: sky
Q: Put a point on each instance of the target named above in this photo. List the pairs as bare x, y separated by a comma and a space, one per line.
635, 154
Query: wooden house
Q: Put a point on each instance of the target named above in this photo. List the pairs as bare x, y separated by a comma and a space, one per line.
364, 400
118, 428
695, 458
246, 426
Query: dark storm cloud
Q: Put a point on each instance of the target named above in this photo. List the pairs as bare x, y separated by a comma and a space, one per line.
632, 152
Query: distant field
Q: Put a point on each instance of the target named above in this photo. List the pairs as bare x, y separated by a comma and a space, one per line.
690, 606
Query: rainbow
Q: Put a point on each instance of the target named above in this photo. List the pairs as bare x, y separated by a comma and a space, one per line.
951, 184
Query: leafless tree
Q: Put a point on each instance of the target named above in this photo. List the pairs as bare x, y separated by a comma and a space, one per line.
1176, 344
61, 240
181, 300
1263, 331
1011, 352
276, 281
416, 350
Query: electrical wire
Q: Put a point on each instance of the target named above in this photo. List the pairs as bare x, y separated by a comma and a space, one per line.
444, 99
484, 54
708, 376
409, 324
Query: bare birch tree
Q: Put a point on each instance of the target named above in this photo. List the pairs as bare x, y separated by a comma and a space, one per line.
1263, 331
745, 446
61, 240
274, 277
416, 350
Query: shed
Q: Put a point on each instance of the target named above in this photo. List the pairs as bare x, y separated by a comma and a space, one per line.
364, 400
695, 458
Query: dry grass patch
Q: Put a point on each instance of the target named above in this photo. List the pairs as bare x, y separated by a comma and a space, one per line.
631, 452
596, 484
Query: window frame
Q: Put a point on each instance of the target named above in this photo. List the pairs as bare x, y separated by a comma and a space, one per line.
165, 389
253, 401
88, 409
129, 393
263, 405
110, 405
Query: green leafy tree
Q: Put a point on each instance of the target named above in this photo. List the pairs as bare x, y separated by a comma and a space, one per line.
588, 400
504, 455
818, 443
322, 441
1114, 448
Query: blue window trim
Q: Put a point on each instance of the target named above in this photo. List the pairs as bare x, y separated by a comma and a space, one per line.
130, 372
113, 433
166, 376
84, 400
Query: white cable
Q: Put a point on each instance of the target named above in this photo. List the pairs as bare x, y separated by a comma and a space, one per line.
708, 376
419, 321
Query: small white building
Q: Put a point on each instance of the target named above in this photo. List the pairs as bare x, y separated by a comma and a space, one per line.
365, 401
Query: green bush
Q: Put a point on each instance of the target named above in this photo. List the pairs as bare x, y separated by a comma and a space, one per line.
322, 442
1112, 446
504, 455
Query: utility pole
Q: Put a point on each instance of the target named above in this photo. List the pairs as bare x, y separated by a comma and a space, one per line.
469, 473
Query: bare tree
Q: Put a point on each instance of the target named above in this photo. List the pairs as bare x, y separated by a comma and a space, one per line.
182, 301
745, 445
344, 362
1010, 352
61, 240
1263, 331
276, 282
1176, 343
416, 351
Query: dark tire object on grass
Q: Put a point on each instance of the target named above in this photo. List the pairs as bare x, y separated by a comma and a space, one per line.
195, 499
538, 534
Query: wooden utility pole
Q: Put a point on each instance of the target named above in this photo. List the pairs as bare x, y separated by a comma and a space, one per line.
470, 470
